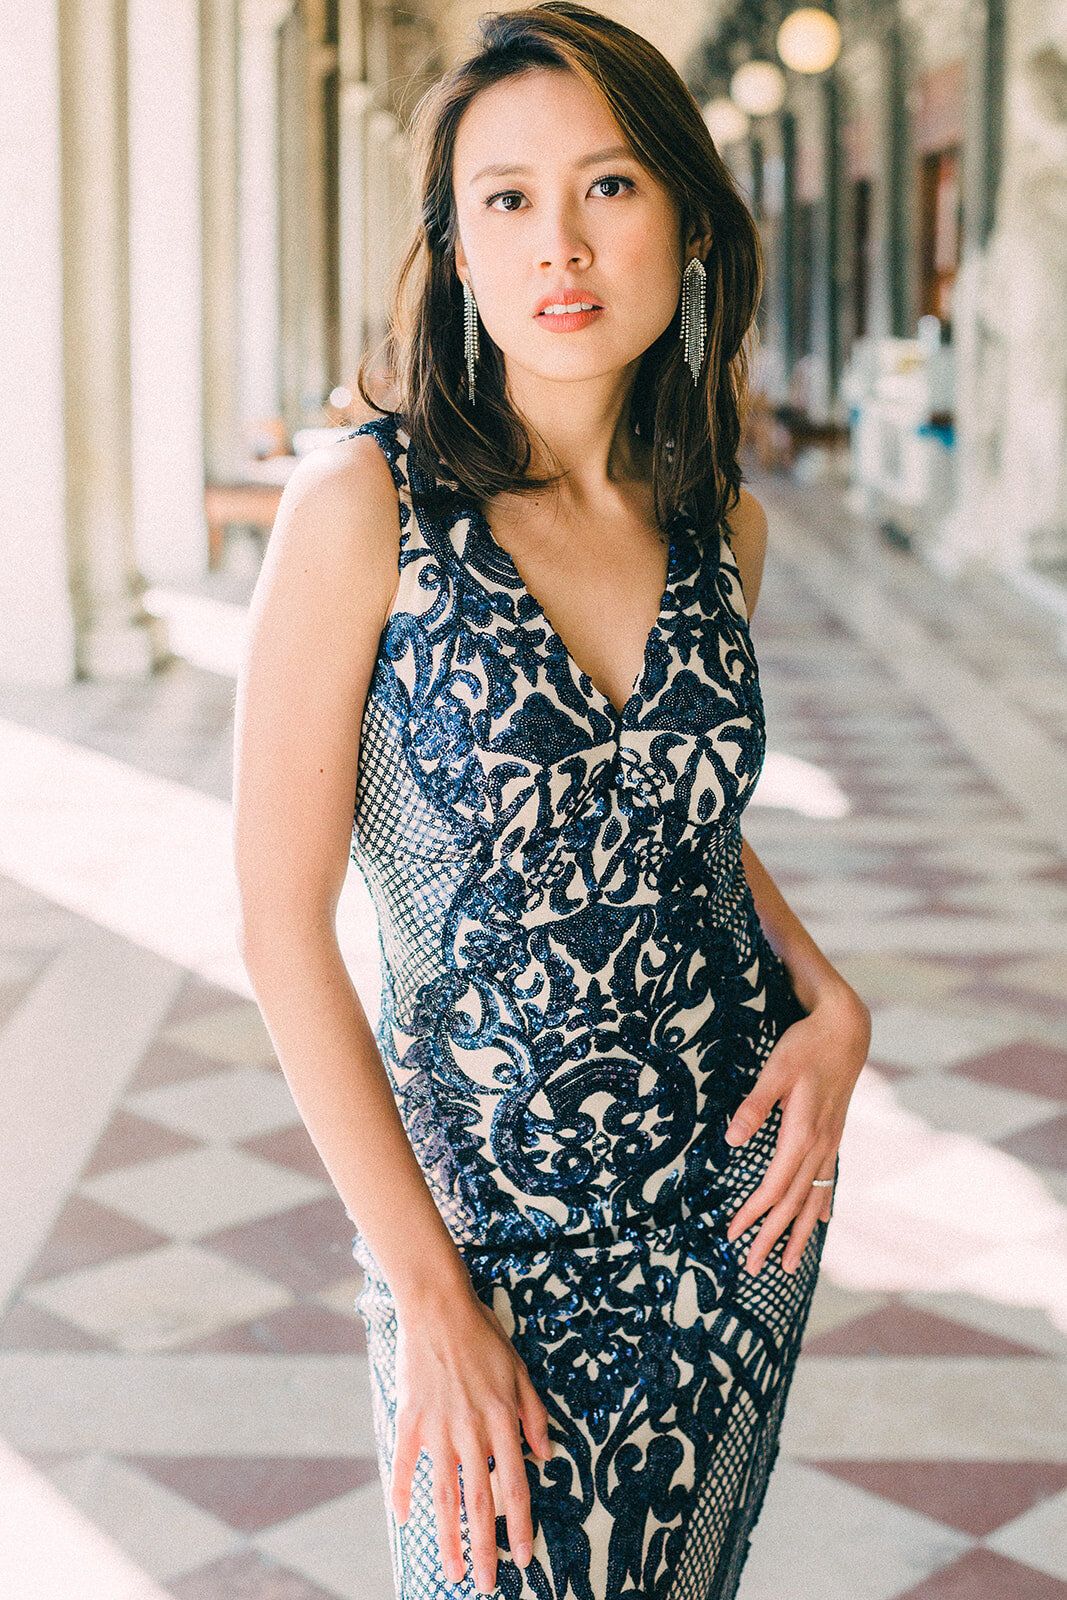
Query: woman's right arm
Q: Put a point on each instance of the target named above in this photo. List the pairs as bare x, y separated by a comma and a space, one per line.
321, 600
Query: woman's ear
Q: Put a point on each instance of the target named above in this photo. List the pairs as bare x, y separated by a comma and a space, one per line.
698, 243
462, 267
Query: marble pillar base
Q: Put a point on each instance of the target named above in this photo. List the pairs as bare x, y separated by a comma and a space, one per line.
129, 650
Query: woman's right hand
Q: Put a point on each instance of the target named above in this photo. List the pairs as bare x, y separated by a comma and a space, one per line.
463, 1392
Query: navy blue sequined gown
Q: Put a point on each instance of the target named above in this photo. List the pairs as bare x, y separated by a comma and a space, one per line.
576, 995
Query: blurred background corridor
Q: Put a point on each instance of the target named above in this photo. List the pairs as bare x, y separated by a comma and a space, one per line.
201, 206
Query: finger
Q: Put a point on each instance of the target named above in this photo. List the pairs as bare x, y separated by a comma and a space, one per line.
446, 1511
512, 1495
755, 1108
532, 1414
405, 1456
481, 1517
779, 1217
801, 1231
789, 1155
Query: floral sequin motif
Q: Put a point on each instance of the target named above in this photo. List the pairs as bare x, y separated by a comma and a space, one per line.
576, 993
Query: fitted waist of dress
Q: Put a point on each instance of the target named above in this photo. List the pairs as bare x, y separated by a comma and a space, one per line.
661, 1225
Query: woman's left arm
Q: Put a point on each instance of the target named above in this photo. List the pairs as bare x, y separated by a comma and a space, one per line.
813, 1066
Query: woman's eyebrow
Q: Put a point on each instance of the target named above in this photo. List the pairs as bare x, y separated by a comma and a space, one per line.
507, 169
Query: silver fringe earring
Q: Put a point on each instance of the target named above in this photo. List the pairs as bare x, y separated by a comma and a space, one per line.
470, 337
694, 328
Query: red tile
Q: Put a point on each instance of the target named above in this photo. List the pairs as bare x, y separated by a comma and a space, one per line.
27, 1327
913, 872
247, 1577
253, 1493
901, 1330
128, 1139
289, 1147
984, 1575
974, 1496
164, 1063
1053, 874
306, 1248
87, 1234
294, 1330
1044, 1146
886, 1069
1014, 997
1028, 1064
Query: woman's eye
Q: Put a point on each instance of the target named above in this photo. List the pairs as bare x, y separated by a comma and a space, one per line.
627, 183
509, 194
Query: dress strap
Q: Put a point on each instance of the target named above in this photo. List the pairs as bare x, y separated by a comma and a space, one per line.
394, 441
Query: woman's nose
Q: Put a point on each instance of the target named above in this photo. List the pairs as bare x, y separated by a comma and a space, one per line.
563, 243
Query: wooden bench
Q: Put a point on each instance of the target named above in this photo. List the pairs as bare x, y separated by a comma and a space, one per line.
252, 505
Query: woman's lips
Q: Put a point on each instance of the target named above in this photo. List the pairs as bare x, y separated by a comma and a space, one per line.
567, 321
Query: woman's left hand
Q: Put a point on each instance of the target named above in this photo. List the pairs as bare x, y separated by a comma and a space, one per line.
812, 1069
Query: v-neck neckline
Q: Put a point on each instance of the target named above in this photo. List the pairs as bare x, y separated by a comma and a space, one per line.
582, 678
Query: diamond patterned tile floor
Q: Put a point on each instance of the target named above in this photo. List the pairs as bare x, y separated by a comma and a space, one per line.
202, 1227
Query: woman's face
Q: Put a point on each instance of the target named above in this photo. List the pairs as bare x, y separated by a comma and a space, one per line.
552, 207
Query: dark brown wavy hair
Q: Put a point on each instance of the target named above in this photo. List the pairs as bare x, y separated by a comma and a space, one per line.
694, 430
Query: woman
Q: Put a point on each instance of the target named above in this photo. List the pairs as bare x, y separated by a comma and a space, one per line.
590, 1149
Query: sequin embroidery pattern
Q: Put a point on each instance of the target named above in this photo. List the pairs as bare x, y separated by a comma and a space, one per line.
576, 994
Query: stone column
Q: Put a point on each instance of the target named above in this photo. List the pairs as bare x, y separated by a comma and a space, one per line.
259, 228
170, 536
298, 246
321, 65
223, 449
1010, 310
37, 635
115, 638
355, 98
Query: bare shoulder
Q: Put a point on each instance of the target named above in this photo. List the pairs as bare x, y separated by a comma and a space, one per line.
339, 519
327, 583
321, 600
747, 528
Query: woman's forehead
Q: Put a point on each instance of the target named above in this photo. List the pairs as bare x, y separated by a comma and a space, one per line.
544, 114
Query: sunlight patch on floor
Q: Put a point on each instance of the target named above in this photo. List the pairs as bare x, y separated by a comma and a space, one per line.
920, 1209
149, 858
796, 785
50, 1551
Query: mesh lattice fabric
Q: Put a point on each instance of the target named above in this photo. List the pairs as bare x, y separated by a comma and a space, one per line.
576, 994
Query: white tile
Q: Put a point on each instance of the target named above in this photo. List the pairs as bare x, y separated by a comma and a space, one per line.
851, 898
236, 1104
1038, 1538
880, 978
927, 1408
1034, 900
65, 1057
199, 1191
975, 1188
159, 1298
1027, 1324
236, 1034
962, 1105
160, 1530
1046, 974
1007, 860
1029, 1272
341, 1297
832, 1306
170, 1404
911, 1036
50, 1551
342, 1545
819, 1538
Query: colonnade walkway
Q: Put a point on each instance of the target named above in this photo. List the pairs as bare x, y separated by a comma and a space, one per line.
184, 1405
